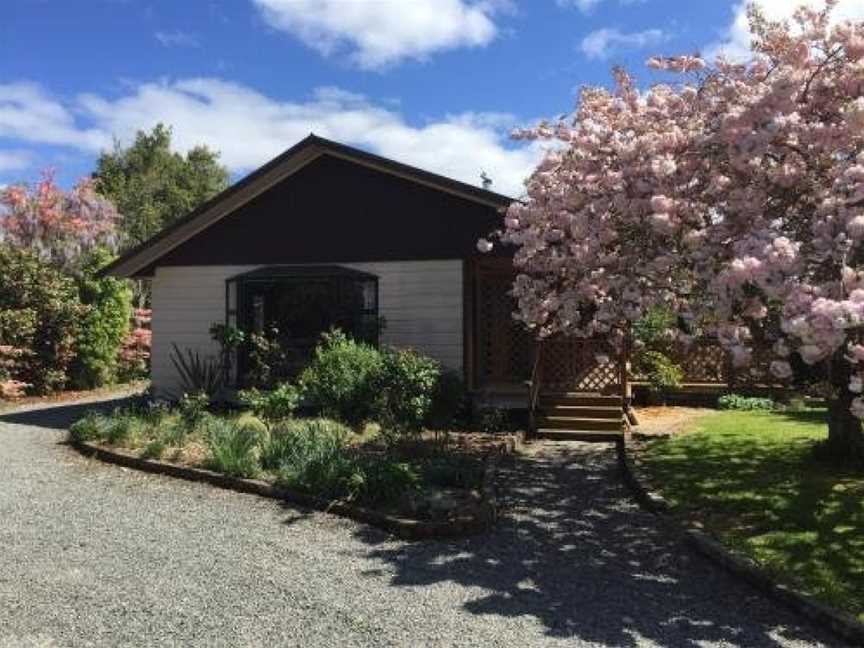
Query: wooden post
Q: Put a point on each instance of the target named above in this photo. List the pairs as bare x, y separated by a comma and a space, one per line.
624, 369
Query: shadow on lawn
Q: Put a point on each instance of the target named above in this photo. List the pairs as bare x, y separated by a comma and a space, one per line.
769, 493
575, 553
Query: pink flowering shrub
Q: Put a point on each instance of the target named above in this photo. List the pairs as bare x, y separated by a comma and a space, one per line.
134, 356
732, 195
60, 226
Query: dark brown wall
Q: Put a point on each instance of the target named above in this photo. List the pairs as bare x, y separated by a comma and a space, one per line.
337, 211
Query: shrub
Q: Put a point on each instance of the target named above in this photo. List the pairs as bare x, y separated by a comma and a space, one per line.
268, 358
154, 449
294, 444
449, 402
197, 375
271, 406
118, 427
312, 456
661, 372
232, 448
404, 385
133, 359
193, 410
738, 402
89, 428
103, 325
377, 480
40, 314
339, 379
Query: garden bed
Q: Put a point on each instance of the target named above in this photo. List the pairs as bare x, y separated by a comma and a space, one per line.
435, 484
752, 480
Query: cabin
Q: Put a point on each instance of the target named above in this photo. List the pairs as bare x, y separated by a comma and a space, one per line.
326, 235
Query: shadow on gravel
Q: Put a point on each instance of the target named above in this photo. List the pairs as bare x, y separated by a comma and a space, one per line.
61, 415
575, 553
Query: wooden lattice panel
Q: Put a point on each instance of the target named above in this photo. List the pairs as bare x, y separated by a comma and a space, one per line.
505, 350
505, 347
576, 364
702, 362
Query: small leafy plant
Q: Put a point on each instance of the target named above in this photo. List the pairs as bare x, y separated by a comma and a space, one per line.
271, 406
744, 403
232, 448
197, 374
193, 410
661, 372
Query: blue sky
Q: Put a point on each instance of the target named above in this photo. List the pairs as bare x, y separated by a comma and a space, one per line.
437, 83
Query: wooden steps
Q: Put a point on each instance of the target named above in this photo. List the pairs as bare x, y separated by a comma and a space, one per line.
573, 416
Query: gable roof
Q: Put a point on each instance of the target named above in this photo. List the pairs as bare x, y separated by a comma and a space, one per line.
279, 168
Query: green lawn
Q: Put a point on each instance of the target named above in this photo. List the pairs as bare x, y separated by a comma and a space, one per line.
751, 480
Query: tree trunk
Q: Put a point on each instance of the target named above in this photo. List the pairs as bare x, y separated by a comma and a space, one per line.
845, 436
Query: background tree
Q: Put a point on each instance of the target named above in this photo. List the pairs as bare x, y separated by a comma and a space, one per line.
58, 226
40, 316
733, 197
60, 322
104, 324
153, 186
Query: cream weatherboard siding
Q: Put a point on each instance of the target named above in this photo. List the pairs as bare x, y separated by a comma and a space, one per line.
421, 302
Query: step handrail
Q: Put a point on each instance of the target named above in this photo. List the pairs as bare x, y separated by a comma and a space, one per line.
533, 385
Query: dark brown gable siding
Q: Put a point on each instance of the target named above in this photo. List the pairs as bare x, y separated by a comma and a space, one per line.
334, 210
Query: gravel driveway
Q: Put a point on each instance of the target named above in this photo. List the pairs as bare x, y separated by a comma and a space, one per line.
98, 555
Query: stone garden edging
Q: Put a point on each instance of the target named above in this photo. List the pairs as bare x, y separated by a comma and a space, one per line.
480, 520
840, 623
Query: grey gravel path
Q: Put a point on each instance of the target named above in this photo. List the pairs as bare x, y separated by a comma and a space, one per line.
98, 555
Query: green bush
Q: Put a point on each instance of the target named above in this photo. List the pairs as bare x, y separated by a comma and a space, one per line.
339, 380
404, 386
449, 402
739, 402
103, 325
114, 429
292, 445
40, 315
232, 448
271, 406
90, 428
193, 409
378, 480
154, 449
311, 455
661, 372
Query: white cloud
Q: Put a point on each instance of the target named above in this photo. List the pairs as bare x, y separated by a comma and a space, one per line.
14, 160
602, 43
587, 6
28, 112
177, 38
378, 33
249, 128
735, 42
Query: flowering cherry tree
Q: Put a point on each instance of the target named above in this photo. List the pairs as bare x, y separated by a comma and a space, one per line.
61, 226
733, 195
